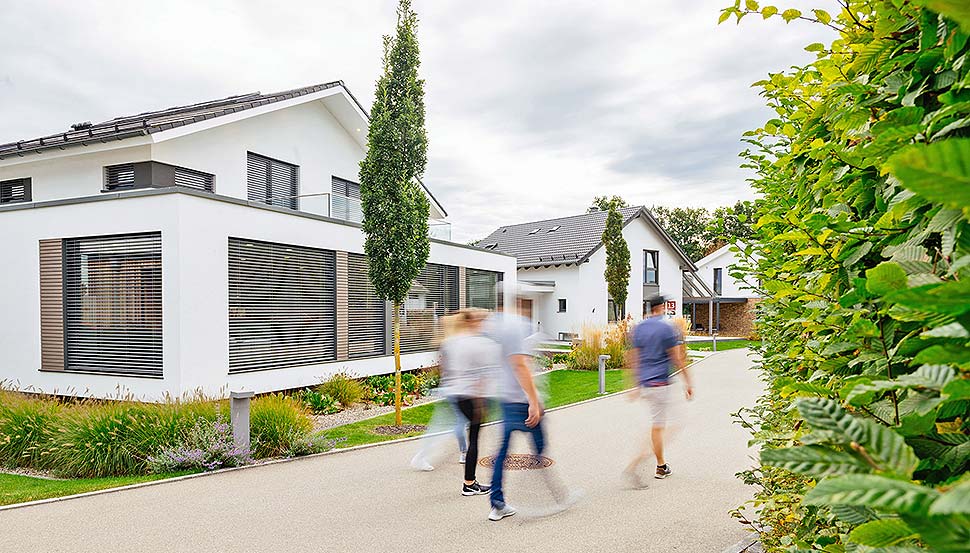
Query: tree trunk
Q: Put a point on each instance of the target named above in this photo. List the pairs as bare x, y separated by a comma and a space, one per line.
397, 363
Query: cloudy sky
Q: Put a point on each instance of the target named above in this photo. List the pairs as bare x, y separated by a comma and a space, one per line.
534, 107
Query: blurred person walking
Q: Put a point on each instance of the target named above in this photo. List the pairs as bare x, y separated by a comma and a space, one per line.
656, 348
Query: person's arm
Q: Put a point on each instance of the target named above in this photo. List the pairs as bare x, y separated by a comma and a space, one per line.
523, 374
679, 359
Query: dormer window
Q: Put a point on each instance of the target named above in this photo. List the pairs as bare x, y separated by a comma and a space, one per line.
534, 231
490, 246
14, 191
555, 228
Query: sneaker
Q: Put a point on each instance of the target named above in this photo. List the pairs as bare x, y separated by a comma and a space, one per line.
663, 471
474, 489
499, 514
461, 458
420, 463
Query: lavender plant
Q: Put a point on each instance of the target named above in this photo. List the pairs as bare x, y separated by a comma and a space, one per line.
208, 445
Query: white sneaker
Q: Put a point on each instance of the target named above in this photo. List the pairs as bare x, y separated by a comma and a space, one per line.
461, 458
420, 463
499, 514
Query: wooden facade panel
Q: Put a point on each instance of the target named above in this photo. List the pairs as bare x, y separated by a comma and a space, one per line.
51, 305
462, 294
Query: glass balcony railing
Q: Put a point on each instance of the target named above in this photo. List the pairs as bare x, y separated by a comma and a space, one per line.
346, 208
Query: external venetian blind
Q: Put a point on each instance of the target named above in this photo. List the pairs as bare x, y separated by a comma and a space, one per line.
119, 176
481, 288
366, 311
272, 182
433, 295
14, 190
282, 305
113, 304
191, 178
344, 187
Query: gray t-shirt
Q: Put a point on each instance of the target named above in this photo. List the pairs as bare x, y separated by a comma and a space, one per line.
510, 332
469, 366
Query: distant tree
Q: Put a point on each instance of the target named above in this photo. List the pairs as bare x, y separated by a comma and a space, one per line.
604, 203
617, 272
395, 208
731, 224
688, 226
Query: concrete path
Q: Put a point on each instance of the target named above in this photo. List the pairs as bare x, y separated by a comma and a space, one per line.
367, 500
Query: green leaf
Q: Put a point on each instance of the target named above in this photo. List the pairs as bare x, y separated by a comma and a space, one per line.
853, 515
725, 14
816, 47
939, 172
881, 533
823, 16
951, 298
952, 330
885, 278
768, 11
808, 388
887, 448
954, 501
752, 5
958, 389
814, 460
957, 10
877, 492
790, 14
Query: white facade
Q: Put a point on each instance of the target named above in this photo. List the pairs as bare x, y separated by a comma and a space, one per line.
724, 259
322, 133
584, 287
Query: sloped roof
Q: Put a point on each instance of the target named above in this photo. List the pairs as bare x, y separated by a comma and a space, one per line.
150, 122
713, 255
566, 240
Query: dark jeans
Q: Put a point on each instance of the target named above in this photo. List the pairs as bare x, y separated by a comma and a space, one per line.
513, 420
474, 410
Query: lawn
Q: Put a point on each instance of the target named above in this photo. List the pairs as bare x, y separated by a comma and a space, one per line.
562, 388
722, 345
18, 489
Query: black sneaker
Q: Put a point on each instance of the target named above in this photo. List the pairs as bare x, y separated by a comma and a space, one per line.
663, 471
474, 489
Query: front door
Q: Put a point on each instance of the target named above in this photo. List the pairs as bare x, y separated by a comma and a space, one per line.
525, 308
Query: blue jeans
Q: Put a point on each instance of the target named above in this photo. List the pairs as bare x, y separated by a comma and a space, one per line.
513, 420
460, 423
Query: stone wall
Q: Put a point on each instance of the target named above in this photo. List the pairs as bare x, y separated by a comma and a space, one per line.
737, 319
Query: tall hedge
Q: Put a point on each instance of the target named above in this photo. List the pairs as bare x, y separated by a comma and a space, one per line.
862, 250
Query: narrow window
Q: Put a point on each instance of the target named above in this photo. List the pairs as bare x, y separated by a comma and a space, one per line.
612, 313
113, 304
651, 267
562, 305
271, 181
717, 280
14, 191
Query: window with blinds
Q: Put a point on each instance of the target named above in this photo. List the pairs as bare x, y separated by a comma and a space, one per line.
282, 305
367, 330
119, 176
481, 288
432, 295
190, 178
344, 187
113, 304
14, 190
272, 182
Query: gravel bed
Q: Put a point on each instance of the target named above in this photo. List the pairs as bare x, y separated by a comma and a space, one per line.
358, 413
29, 472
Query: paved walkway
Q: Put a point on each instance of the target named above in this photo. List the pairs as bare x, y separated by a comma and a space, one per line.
367, 500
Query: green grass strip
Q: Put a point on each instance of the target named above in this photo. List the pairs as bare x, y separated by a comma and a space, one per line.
15, 488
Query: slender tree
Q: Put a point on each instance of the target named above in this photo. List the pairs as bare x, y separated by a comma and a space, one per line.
617, 272
395, 208
605, 203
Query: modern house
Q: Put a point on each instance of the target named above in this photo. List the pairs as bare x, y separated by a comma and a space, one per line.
561, 264
210, 247
731, 313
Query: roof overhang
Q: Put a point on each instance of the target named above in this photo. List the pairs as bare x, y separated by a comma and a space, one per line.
536, 286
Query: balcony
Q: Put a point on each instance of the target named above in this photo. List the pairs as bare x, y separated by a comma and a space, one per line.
346, 208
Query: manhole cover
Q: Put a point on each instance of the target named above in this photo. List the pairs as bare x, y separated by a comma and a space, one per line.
519, 461
391, 430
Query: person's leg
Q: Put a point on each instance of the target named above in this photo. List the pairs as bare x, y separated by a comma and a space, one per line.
657, 440
509, 424
472, 411
460, 423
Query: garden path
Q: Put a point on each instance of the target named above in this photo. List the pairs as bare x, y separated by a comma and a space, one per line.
367, 500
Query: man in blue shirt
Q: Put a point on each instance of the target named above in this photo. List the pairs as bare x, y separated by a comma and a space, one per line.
656, 348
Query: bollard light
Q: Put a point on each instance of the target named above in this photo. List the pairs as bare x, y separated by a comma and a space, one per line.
239, 417
603, 359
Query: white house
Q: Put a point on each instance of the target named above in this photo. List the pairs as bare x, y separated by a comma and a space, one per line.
209, 247
561, 264
734, 299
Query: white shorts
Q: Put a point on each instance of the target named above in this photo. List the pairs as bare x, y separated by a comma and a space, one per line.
658, 400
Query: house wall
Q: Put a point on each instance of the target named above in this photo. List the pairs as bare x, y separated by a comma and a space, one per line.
584, 287
195, 232
731, 287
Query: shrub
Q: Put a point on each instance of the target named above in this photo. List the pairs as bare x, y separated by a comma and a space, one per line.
208, 445
276, 423
596, 341
409, 384
428, 380
342, 388
320, 404
308, 444
615, 344
27, 428
95, 440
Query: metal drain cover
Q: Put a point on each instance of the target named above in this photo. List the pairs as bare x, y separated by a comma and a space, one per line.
519, 461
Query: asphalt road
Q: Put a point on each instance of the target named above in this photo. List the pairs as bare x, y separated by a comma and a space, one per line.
369, 500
